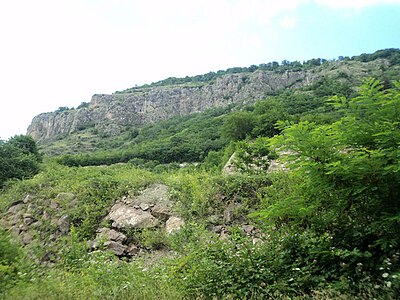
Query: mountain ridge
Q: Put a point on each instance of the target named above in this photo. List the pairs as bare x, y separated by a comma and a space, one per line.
158, 101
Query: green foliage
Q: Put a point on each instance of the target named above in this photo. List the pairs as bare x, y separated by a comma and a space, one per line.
179, 139
284, 265
253, 157
19, 158
238, 125
193, 194
391, 54
62, 109
10, 254
345, 183
99, 276
267, 112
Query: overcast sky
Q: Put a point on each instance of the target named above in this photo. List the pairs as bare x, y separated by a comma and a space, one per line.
57, 53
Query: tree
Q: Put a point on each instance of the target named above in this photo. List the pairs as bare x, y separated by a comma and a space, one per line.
350, 171
19, 158
26, 144
238, 125
343, 185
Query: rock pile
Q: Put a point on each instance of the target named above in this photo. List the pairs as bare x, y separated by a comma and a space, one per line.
152, 208
42, 222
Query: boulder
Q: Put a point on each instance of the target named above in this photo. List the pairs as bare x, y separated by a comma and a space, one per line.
144, 206
15, 208
116, 247
27, 239
107, 234
156, 193
174, 224
124, 216
15, 219
132, 250
15, 230
161, 211
63, 224
28, 219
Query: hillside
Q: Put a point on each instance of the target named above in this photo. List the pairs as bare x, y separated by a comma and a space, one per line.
308, 209
112, 114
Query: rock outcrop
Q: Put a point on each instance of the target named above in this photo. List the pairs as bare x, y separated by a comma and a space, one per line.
42, 222
152, 104
151, 209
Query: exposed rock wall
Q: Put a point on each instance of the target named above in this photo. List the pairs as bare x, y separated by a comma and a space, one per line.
152, 104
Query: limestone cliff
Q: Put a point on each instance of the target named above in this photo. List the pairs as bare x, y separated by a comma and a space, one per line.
152, 104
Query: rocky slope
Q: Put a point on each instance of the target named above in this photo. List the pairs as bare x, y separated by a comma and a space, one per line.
44, 222
151, 104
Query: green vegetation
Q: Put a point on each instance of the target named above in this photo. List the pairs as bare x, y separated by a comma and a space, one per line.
19, 158
326, 226
392, 55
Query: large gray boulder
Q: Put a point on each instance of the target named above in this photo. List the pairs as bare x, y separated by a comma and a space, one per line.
124, 216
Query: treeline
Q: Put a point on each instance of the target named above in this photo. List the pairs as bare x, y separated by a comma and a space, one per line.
392, 54
19, 158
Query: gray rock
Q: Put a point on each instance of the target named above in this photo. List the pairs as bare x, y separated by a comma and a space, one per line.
156, 193
15, 219
132, 250
28, 198
27, 239
218, 228
248, 228
15, 230
124, 216
107, 234
144, 206
32, 208
23, 227
37, 224
228, 214
161, 211
53, 237
28, 219
116, 247
63, 224
174, 224
45, 216
15, 208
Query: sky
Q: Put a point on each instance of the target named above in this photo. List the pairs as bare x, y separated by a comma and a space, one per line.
57, 53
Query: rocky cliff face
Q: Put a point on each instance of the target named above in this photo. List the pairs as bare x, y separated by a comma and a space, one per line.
158, 103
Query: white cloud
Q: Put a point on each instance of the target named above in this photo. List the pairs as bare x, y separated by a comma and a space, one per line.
288, 22
355, 4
